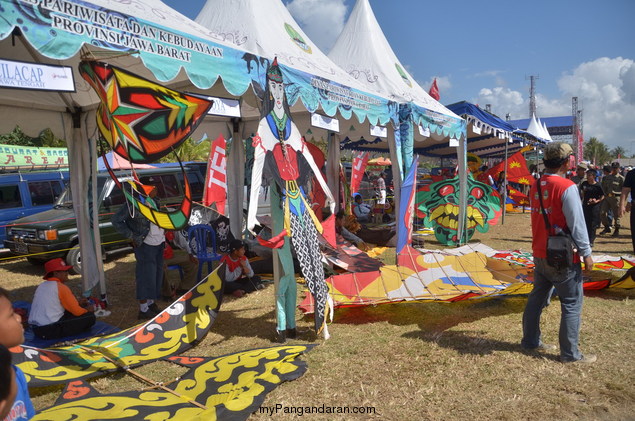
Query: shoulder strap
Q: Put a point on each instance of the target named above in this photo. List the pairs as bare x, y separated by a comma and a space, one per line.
542, 207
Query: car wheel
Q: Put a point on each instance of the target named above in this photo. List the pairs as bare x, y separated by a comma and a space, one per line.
74, 259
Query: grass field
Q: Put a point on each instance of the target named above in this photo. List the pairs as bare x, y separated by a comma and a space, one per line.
436, 361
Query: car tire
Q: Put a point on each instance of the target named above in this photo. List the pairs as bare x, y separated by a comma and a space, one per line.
74, 258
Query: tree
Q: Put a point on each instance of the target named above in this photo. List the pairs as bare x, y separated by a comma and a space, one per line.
46, 138
596, 152
618, 152
190, 151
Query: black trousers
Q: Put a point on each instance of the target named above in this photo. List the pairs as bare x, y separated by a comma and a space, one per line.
246, 284
68, 325
633, 228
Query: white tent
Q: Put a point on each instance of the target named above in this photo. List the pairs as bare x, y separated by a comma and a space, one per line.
364, 52
267, 28
145, 37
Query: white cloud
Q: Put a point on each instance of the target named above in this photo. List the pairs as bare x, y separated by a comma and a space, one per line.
605, 88
321, 20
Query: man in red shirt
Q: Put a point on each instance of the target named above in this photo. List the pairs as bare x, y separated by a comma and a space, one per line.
561, 201
55, 312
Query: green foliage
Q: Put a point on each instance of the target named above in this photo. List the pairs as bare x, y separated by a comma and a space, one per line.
190, 151
596, 152
45, 139
619, 152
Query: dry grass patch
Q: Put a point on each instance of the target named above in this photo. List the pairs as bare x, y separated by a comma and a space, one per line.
435, 361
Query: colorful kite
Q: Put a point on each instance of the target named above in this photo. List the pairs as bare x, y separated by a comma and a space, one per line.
430, 276
467, 272
438, 204
141, 120
282, 157
229, 387
174, 330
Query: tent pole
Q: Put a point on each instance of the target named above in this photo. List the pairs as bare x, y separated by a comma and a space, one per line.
333, 167
236, 179
505, 185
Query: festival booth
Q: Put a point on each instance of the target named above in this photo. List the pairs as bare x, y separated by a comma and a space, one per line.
43, 44
363, 51
314, 84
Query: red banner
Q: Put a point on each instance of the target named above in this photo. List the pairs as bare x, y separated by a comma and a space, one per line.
357, 172
517, 171
434, 90
216, 176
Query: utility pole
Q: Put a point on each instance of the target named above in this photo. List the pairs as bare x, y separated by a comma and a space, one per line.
532, 94
576, 141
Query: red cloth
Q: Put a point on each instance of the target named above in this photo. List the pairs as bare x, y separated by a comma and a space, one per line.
288, 166
232, 264
216, 176
329, 231
552, 187
517, 171
434, 90
275, 242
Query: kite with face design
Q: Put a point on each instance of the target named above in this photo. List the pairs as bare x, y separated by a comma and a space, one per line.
438, 204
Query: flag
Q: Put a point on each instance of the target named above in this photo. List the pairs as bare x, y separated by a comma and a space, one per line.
517, 197
216, 176
406, 207
434, 90
359, 166
517, 171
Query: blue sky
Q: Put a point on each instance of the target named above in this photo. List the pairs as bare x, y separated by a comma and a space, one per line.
483, 51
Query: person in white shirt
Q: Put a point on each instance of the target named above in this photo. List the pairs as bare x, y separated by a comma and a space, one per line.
148, 241
361, 210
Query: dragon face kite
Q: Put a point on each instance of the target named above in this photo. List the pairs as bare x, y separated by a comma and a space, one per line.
438, 203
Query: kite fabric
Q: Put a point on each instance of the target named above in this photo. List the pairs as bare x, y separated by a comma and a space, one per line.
406, 207
231, 387
517, 171
142, 121
283, 159
357, 170
216, 176
168, 220
431, 277
438, 204
175, 330
467, 272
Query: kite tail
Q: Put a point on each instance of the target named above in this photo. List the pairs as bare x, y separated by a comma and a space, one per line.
307, 249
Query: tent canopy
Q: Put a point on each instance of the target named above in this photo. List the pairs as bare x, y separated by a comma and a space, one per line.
487, 134
312, 80
363, 51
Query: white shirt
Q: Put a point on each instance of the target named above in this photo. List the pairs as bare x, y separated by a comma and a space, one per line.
155, 237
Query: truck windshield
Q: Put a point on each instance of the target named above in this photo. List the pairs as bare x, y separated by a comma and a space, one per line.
66, 198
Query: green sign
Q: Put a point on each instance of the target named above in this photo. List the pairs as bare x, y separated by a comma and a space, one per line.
29, 156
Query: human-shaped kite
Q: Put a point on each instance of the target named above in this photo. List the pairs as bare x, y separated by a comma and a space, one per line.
282, 158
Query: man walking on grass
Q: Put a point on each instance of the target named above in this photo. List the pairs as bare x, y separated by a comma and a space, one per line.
561, 201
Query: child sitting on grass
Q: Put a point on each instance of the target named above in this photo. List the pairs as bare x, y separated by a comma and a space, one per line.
15, 403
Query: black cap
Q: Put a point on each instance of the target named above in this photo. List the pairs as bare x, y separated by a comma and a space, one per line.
615, 165
235, 245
